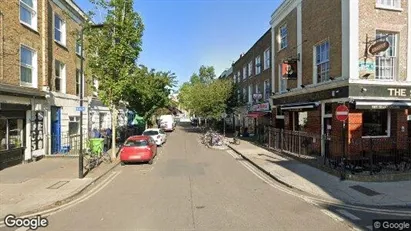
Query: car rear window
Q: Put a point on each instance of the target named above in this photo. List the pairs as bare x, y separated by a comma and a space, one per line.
150, 133
136, 143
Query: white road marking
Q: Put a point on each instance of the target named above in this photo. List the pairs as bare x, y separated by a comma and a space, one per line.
22, 229
369, 227
348, 214
72, 203
269, 181
332, 215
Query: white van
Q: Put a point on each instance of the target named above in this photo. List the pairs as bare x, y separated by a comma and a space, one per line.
167, 123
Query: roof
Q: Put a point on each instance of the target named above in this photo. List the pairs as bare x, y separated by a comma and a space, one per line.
138, 137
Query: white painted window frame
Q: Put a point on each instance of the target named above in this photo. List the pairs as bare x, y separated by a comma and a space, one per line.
239, 76
33, 11
258, 65
388, 128
244, 72
283, 37
62, 67
383, 4
383, 55
244, 94
63, 30
33, 67
322, 62
267, 59
266, 86
250, 94
250, 68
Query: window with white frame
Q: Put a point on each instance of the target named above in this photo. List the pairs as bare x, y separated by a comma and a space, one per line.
386, 62
250, 68
393, 4
376, 123
28, 13
78, 81
59, 76
322, 61
78, 47
283, 37
258, 65
235, 78
267, 59
267, 89
244, 95
244, 72
28, 64
239, 76
238, 95
250, 94
59, 30
283, 81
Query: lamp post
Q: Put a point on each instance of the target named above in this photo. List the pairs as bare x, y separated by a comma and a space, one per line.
80, 162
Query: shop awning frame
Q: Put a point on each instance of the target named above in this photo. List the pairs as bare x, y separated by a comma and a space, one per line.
362, 104
299, 106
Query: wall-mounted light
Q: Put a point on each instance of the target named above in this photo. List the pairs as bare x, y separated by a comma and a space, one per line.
332, 78
302, 86
288, 89
363, 89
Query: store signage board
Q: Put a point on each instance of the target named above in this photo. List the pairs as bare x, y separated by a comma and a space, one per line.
378, 47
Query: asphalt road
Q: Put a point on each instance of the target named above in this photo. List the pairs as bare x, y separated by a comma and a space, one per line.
191, 187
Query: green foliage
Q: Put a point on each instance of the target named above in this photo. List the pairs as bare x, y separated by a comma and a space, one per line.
114, 48
147, 90
204, 95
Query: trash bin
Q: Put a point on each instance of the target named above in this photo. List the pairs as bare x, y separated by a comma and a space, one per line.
96, 146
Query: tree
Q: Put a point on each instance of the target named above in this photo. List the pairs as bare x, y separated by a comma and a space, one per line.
149, 90
113, 51
205, 95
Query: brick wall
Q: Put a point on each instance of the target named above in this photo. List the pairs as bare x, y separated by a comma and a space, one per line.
15, 33
371, 19
290, 51
314, 121
321, 20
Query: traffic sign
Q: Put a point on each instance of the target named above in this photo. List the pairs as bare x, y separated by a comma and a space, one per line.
80, 108
342, 113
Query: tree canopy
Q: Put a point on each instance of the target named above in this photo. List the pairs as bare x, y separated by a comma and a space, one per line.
205, 95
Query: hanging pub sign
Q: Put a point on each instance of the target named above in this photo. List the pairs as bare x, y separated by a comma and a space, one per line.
289, 70
378, 47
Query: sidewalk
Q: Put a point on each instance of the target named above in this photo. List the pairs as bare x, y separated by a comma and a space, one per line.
28, 187
323, 185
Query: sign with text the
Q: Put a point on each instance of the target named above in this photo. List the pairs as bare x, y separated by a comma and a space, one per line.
403, 92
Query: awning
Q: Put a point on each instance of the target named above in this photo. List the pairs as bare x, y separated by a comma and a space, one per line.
299, 106
256, 114
383, 104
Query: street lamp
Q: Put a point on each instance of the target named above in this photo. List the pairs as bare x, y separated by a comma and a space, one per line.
80, 162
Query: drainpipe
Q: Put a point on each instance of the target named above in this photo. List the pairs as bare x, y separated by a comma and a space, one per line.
43, 44
2, 46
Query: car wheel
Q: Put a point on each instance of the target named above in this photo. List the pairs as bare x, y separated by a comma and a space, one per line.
122, 163
150, 162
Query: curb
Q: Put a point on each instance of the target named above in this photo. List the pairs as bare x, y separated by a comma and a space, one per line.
398, 206
263, 170
70, 197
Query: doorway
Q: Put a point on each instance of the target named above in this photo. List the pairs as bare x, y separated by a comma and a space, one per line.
327, 135
55, 129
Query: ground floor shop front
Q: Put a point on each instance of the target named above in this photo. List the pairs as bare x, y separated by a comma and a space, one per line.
378, 122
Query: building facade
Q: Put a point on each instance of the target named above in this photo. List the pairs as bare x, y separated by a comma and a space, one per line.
352, 53
40, 78
252, 77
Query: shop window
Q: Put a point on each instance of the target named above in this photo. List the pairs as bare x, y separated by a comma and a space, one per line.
375, 123
3, 134
11, 133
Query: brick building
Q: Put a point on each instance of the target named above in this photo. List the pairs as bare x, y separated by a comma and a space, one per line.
355, 53
252, 76
40, 77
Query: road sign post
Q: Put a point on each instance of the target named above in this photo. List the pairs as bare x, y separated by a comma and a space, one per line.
341, 113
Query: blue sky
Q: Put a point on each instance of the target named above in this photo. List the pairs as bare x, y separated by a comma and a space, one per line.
182, 35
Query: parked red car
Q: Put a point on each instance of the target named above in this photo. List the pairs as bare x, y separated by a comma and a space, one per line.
138, 149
